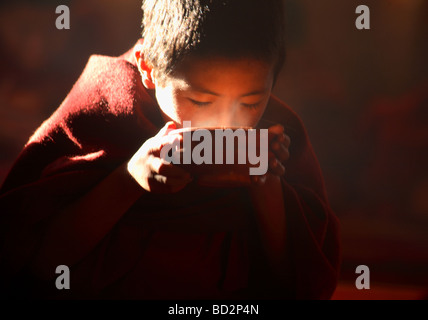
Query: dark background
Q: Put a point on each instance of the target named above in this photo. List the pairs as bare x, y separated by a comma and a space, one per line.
363, 96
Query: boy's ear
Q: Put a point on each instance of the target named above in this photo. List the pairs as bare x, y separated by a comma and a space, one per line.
145, 70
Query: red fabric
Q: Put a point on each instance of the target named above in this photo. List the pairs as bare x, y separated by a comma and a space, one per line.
199, 243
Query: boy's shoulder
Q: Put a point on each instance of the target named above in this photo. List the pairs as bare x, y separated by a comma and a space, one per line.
108, 95
109, 82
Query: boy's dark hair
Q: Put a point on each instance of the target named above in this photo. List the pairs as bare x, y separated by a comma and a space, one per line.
174, 29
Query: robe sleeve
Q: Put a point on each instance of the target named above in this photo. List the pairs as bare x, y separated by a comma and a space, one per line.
73, 154
29, 203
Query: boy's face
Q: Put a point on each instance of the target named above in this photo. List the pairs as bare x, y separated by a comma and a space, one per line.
216, 92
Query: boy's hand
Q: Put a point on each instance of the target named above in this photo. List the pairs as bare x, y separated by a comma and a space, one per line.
279, 143
152, 172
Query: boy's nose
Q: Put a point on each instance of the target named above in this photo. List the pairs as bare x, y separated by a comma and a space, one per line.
228, 116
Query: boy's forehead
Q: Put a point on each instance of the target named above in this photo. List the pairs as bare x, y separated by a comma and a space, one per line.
193, 63
199, 71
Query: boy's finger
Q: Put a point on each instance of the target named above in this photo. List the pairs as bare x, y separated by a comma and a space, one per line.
170, 139
276, 130
281, 152
284, 139
165, 142
276, 167
163, 168
170, 125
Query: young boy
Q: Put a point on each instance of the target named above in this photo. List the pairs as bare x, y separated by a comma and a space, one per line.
91, 192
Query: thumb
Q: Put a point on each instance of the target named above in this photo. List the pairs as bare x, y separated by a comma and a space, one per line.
275, 131
169, 126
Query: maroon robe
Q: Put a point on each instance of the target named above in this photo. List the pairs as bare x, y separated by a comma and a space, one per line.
198, 243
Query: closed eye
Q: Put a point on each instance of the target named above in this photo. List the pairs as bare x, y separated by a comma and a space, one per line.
251, 105
200, 103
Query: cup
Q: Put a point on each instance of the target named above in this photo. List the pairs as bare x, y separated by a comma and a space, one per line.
220, 156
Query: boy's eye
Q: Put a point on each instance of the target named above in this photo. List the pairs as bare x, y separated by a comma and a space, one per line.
251, 105
200, 103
